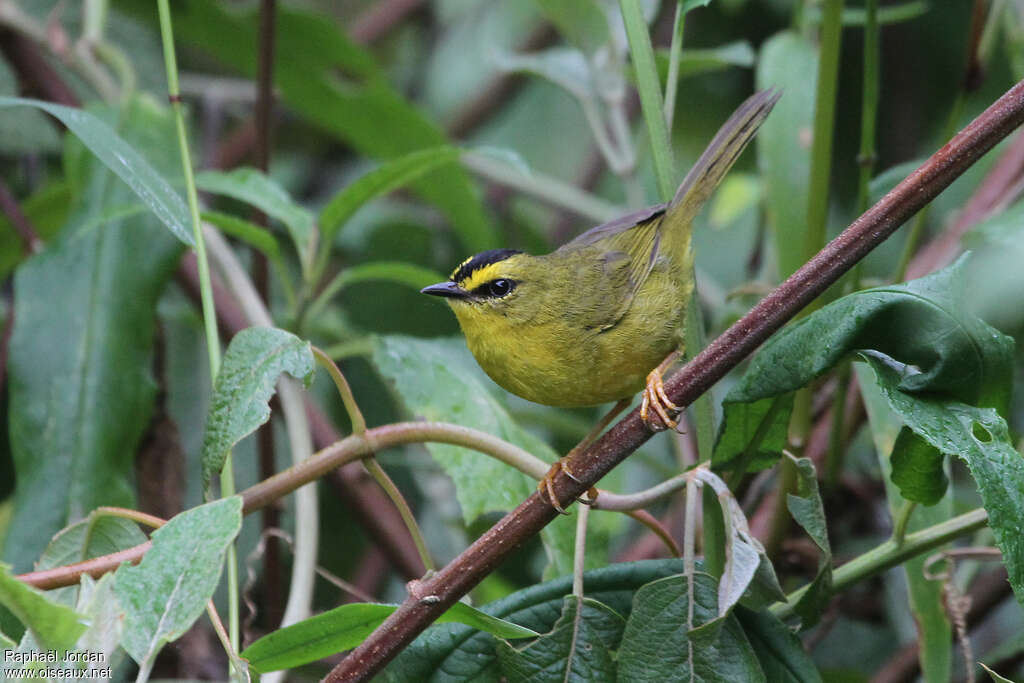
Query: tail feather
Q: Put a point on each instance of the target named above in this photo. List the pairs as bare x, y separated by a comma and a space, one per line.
722, 152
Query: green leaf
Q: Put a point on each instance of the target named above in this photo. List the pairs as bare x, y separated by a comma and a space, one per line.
917, 469
657, 645
438, 380
81, 353
98, 603
388, 177
696, 61
450, 653
779, 651
580, 647
981, 438
807, 510
91, 537
789, 62
254, 235
255, 188
165, 593
583, 23
342, 628
927, 602
923, 324
335, 85
123, 160
401, 273
52, 625
246, 381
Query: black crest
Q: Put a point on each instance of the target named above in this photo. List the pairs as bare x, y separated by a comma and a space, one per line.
484, 258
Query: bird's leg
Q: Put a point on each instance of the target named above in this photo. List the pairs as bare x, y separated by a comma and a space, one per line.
547, 483
654, 397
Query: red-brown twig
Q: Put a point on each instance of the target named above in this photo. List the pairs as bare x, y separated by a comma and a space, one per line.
434, 595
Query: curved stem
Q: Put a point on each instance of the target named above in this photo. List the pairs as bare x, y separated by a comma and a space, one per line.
355, 416
382, 478
890, 554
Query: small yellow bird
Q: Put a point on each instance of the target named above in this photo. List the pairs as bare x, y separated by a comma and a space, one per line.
601, 317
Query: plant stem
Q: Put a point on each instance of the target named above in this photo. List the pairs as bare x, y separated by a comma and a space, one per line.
824, 126
675, 52
355, 416
579, 554
227, 478
642, 53
899, 531
890, 554
382, 478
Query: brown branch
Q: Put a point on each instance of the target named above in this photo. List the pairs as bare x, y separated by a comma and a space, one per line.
434, 595
993, 192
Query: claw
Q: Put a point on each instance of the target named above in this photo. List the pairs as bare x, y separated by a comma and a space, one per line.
547, 484
654, 397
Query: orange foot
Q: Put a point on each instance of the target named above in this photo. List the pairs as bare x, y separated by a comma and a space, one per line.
547, 485
654, 398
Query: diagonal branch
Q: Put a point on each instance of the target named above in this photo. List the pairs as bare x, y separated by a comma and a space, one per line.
434, 595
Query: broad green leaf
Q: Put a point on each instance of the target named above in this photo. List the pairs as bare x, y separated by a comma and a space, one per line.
580, 647
927, 603
450, 653
388, 177
254, 235
52, 625
923, 324
342, 628
255, 188
980, 437
779, 650
917, 469
337, 86
437, 379
91, 537
246, 381
124, 160
165, 593
693, 4
788, 62
81, 352
657, 645
806, 508
7, 643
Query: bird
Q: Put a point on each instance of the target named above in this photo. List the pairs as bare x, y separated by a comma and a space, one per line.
601, 317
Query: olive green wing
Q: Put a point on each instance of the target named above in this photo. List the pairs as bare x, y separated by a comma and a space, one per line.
622, 254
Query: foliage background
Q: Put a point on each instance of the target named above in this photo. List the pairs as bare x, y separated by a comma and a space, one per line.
107, 340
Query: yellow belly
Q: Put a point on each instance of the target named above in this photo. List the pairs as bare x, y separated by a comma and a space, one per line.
557, 364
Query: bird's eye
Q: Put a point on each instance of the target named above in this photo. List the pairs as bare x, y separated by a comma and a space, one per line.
498, 288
